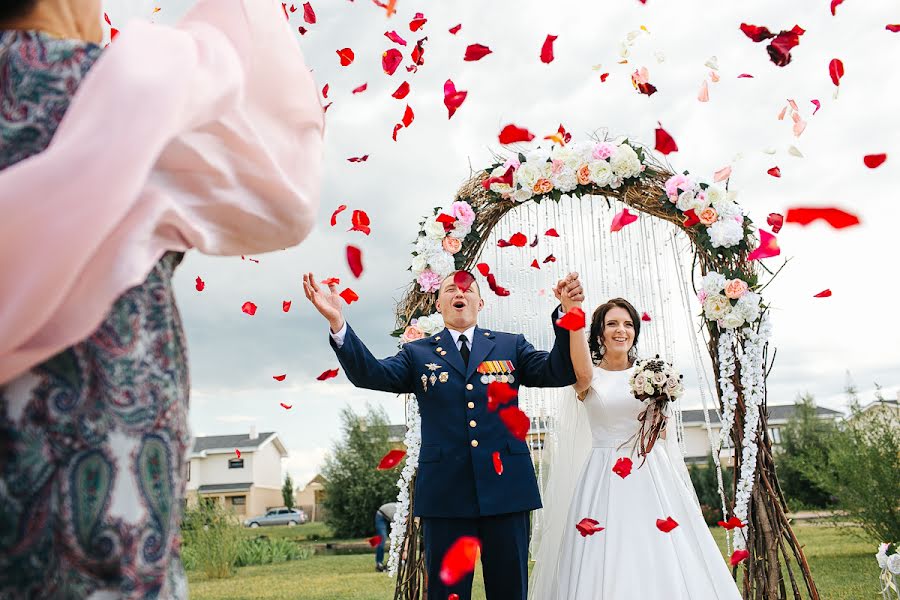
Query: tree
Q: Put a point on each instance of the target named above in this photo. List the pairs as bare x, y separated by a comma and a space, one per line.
355, 489
706, 485
804, 440
287, 491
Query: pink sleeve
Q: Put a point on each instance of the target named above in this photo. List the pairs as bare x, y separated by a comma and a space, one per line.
207, 136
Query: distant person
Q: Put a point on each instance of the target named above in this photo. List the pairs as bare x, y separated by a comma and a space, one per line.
384, 516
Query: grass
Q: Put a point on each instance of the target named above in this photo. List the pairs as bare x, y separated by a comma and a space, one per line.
842, 561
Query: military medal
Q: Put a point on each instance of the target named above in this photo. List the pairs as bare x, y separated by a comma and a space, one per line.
425, 382
444, 377
496, 370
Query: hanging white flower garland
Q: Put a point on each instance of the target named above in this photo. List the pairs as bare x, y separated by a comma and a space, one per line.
413, 441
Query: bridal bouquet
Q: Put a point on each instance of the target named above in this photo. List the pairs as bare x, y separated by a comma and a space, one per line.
656, 382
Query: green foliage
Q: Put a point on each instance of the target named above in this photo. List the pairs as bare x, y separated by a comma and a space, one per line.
212, 536
706, 485
862, 470
804, 441
287, 491
266, 551
355, 489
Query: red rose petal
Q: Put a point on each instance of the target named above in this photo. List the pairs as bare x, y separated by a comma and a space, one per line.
503, 244
665, 143
360, 222
237, 452
836, 70
775, 221
483, 268
588, 526
418, 21
325, 91
200, 284
360, 89
690, 218
346, 55
286, 406
397, 128
302, 31
731, 523
374, 541
645, 317
476, 52
390, 60
550, 258
834, 5
332, 281
285, 305
329, 374
780, 48
455, 29
547, 49
823, 294
279, 377
516, 421
309, 15
873, 161
573, 320
534, 243
492, 283
518, 240
395, 37
498, 464
622, 219
401, 91
249, 308
391, 460
453, 597
499, 393
666, 525
512, 134
738, 556
463, 280
774, 172
408, 116
418, 55
459, 560
506, 178
349, 296
354, 260
893, 28
358, 159
817, 104
452, 98
745, 76
535, 264
757, 34
768, 246
603, 77
623, 466
835, 217
551, 232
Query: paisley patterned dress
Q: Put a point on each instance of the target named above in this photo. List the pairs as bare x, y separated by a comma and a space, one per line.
93, 441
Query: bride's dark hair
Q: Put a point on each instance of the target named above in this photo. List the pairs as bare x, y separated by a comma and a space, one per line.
599, 318
11, 9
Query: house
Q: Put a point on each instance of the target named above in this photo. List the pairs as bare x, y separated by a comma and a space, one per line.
878, 407
311, 498
249, 484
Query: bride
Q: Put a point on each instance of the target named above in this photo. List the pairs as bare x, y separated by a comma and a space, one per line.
607, 530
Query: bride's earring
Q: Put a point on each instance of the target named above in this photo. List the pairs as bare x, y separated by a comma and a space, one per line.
632, 353
602, 350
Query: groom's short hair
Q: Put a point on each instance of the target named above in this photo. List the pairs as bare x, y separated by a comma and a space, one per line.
452, 275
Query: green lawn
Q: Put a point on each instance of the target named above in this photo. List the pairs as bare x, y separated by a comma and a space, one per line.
842, 560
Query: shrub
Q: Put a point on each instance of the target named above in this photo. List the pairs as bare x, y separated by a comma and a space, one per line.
212, 539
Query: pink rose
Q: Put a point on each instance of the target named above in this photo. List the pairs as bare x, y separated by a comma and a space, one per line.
452, 245
463, 213
735, 288
412, 333
602, 151
543, 186
511, 162
557, 166
678, 182
584, 175
429, 280
701, 296
708, 216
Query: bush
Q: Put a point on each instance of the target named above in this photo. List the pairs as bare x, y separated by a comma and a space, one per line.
804, 440
212, 540
861, 467
706, 485
265, 551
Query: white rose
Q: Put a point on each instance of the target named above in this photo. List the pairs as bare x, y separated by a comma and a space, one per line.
625, 162
442, 263
427, 246
434, 229
522, 194
725, 233
570, 157
537, 156
648, 389
732, 320
698, 203
713, 282
882, 560
425, 324
437, 321
616, 182
528, 174
418, 264
893, 564
727, 209
715, 194
601, 173
566, 181
716, 306
686, 201
460, 231
659, 378
584, 150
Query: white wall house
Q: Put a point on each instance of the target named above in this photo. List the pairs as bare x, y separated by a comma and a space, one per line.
249, 485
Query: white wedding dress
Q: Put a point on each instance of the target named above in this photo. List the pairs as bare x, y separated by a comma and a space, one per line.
631, 558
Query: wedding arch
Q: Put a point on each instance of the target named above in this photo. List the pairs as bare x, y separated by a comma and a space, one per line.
765, 554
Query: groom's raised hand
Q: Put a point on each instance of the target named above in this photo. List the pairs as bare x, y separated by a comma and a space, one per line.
569, 292
328, 304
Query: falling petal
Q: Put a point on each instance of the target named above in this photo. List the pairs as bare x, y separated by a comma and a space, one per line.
285, 305
349, 296
200, 284
512, 134
665, 143
354, 260
391, 459
768, 246
873, 161
286, 406
775, 221
476, 52
459, 560
835, 217
401, 91
249, 308
573, 320
774, 172
823, 294
279, 377
390, 60
346, 55
703, 96
395, 37
547, 49
722, 174
329, 374
516, 421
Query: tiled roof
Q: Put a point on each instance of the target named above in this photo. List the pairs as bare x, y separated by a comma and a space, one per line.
230, 441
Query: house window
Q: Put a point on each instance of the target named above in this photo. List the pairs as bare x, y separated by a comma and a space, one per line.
236, 463
239, 500
775, 432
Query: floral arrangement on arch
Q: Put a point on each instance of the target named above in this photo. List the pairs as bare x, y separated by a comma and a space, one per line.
440, 240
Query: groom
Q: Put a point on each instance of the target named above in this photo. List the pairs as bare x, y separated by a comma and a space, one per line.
459, 491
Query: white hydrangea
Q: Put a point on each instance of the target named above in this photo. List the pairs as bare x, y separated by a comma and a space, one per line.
569, 156
625, 162
727, 209
537, 156
715, 194
565, 181
725, 233
419, 263
748, 306
434, 229
442, 263
713, 282
732, 320
716, 306
426, 246
601, 173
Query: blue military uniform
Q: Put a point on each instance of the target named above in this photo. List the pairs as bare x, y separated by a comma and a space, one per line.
458, 491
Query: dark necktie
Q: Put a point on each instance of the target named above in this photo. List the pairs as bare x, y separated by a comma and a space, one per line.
464, 349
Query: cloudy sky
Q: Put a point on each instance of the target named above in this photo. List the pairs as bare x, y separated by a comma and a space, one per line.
857, 330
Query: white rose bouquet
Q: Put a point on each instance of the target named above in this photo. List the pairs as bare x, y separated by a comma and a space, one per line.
657, 383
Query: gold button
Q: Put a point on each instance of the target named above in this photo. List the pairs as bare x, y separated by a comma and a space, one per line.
471, 405
487, 333
472, 423
439, 348
474, 443
444, 353
470, 387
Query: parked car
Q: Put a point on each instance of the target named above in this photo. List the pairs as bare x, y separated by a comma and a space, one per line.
278, 516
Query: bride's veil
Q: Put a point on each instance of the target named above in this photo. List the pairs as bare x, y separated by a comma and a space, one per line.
564, 458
